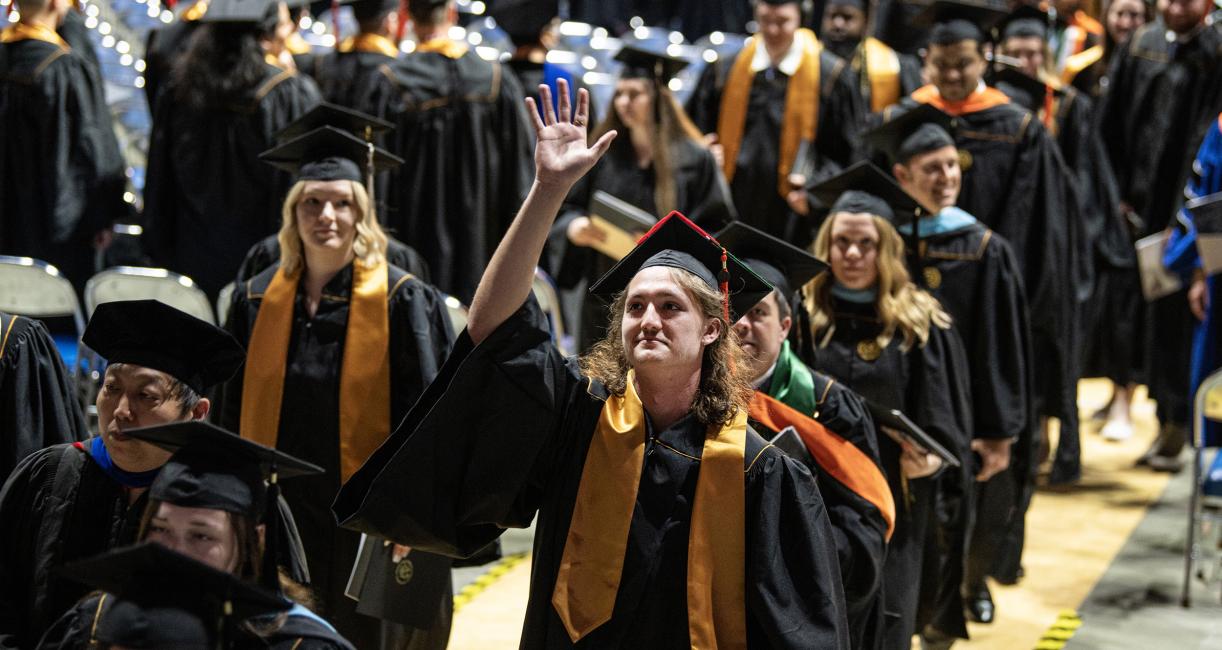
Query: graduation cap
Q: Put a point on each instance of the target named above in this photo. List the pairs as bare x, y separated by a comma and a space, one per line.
524, 20
214, 468
154, 335
866, 189
676, 242
341, 117
168, 600
918, 130
244, 11
1027, 21
956, 20
643, 64
364, 10
785, 266
329, 154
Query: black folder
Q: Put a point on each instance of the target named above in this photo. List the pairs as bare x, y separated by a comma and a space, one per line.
915, 435
408, 592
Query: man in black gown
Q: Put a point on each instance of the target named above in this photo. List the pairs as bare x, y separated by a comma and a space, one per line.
71, 501
663, 521
880, 75
61, 173
1164, 93
357, 74
1016, 183
463, 133
781, 98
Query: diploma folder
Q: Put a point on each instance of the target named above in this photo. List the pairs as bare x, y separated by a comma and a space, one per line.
407, 592
621, 221
908, 430
791, 443
1156, 280
1207, 219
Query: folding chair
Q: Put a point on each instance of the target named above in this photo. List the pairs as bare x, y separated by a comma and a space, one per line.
457, 312
1203, 524
545, 293
140, 283
224, 300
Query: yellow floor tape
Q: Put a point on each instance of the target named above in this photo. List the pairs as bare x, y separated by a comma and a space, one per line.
494, 573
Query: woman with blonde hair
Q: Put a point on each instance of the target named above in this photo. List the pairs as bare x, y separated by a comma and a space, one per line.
340, 344
875, 331
659, 166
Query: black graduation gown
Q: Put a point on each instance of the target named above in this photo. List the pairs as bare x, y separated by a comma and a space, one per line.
1161, 99
861, 531
208, 197
61, 172
974, 273
74, 630
909, 75
162, 50
267, 252
924, 565
74, 31
895, 25
38, 401
754, 186
453, 477
700, 194
463, 131
309, 415
58, 506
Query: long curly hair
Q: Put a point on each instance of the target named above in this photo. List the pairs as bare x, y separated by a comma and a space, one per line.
903, 308
224, 63
370, 242
725, 386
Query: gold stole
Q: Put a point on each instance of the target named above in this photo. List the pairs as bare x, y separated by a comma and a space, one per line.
443, 46
366, 42
593, 559
1076, 63
195, 12
364, 386
296, 44
801, 117
26, 32
883, 71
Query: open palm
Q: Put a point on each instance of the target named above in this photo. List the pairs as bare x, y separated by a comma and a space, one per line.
561, 153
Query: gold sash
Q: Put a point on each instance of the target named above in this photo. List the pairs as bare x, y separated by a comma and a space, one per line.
297, 44
443, 46
883, 70
26, 32
593, 559
366, 42
801, 119
1076, 63
364, 388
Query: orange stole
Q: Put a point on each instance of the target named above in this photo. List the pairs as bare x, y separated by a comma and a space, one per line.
444, 47
801, 118
835, 455
883, 70
592, 563
26, 32
977, 101
364, 390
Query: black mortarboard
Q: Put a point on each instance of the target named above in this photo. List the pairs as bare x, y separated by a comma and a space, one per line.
214, 468
1028, 21
1022, 88
915, 131
154, 335
864, 188
323, 114
328, 154
677, 242
643, 64
244, 11
524, 20
785, 266
371, 9
954, 21
167, 600
860, 4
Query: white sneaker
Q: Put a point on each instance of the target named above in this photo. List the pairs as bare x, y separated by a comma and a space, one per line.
1117, 431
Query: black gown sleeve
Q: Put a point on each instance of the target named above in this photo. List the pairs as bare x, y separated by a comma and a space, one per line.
24, 501
472, 455
711, 207
704, 106
840, 115
227, 399
38, 404
1002, 336
72, 630
421, 337
794, 595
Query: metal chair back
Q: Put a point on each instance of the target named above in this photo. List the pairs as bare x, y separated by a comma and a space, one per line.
140, 283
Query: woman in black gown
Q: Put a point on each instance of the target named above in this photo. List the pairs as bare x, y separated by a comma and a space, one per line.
891, 342
340, 344
681, 176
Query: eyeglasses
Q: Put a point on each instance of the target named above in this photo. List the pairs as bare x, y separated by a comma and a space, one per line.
864, 246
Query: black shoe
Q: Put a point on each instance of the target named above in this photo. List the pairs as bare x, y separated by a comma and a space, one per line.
980, 606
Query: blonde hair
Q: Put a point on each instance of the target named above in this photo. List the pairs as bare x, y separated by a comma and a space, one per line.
903, 308
724, 385
369, 243
672, 126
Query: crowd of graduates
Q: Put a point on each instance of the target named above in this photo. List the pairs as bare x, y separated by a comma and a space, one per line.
825, 311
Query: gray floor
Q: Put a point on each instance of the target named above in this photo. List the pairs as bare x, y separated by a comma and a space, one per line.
1136, 603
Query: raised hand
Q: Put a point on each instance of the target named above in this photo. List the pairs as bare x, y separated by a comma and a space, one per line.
561, 153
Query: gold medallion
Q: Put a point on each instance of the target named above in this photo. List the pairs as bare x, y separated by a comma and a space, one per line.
404, 571
933, 277
965, 159
869, 350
